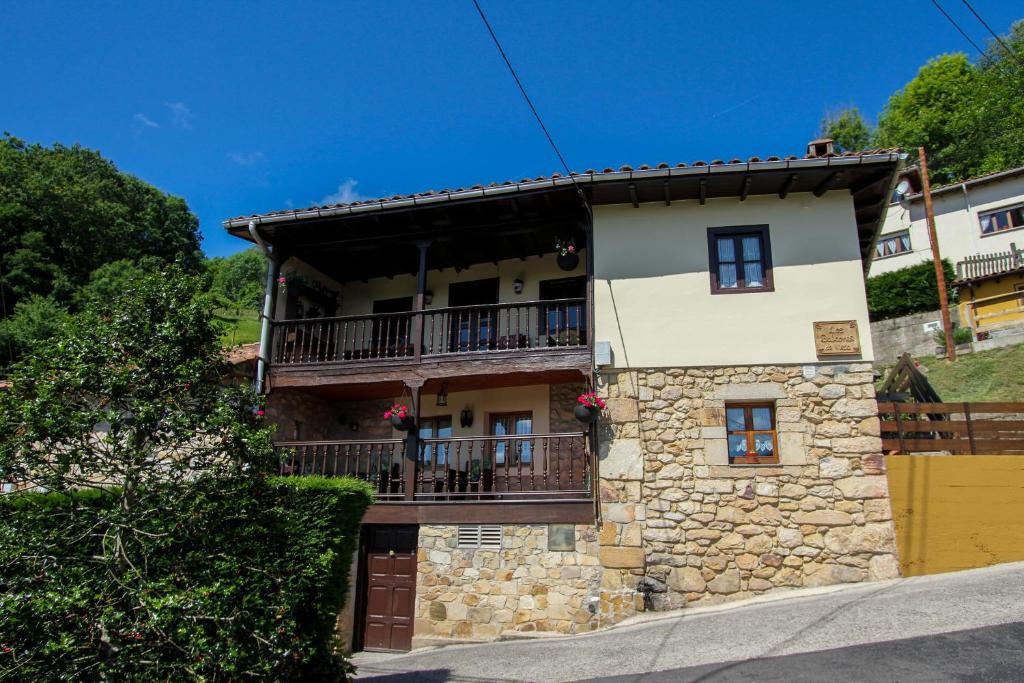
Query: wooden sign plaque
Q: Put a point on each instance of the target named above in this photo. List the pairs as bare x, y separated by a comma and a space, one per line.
837, 338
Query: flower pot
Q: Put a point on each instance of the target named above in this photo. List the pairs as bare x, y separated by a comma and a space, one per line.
586, 414
401, 423
568, 261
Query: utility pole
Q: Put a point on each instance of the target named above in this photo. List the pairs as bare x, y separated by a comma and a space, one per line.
940, 274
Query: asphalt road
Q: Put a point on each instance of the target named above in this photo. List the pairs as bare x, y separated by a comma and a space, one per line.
966, 626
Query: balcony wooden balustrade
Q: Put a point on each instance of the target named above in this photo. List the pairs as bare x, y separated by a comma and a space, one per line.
528, 327
528, 467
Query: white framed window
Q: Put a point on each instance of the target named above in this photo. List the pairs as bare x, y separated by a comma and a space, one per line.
480, 536
890, 245
1001, 220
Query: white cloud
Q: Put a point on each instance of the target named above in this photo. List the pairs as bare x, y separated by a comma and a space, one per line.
181, 115
346, 194
247, 158
143, 121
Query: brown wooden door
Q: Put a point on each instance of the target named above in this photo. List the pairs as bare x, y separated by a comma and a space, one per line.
390, 587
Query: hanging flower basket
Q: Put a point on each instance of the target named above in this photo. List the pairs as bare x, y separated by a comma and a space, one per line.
567, 257
398, 415
588, 407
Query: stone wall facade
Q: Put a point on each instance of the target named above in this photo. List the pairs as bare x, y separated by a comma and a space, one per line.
477, 594
321, 419
562, 402
687, 527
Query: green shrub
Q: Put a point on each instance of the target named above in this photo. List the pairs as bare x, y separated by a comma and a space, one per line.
908, 290
961, 335
242, 580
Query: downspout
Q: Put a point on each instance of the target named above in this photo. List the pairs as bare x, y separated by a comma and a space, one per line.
273, 267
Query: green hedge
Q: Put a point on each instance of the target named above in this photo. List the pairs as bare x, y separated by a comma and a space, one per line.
908, 290
243, 582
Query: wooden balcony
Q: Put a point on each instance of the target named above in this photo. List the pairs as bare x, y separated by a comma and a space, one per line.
472, 469
508, 337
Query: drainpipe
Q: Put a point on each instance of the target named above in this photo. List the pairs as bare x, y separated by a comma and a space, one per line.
273, 268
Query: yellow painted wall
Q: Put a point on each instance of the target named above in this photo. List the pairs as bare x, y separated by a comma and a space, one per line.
652, 288
956, 512
988, 288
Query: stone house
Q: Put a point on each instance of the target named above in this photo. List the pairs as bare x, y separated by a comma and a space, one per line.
717, 308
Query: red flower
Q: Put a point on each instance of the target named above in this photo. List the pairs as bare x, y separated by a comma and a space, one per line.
261, 412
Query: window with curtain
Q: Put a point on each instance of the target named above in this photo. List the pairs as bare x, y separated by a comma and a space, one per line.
890, 245
1009, 218
740, 259
750, 429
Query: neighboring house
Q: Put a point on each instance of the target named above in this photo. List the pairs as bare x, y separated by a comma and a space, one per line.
991, 288
718, 308
980, 228
984, 215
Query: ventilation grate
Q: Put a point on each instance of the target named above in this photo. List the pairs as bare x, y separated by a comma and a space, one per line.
482, 536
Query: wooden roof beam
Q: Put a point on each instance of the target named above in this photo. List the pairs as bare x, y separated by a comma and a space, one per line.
633, 196
827, 183
745, 188
787, 185
703, 191
668, 195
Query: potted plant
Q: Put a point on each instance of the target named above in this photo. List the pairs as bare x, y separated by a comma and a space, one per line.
398, 415
588, 407
567, 257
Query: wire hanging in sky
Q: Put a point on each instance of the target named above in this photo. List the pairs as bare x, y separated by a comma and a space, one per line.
984, 23
957, 27
529, 102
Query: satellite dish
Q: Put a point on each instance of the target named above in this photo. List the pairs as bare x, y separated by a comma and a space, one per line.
902, 190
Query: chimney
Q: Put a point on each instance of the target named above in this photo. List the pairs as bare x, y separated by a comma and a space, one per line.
821, 147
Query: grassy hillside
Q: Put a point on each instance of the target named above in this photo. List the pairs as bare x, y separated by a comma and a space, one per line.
243, 326
996, 375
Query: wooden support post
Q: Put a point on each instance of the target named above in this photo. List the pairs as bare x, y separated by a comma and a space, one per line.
970, 428
419, 303
940, 275
412, 441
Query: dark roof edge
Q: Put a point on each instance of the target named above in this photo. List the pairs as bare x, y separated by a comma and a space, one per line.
582, 179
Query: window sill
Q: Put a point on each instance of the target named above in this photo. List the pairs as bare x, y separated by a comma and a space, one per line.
755, 464
902, 253
1001, 232
749, 290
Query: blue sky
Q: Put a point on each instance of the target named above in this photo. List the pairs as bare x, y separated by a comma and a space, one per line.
251, 107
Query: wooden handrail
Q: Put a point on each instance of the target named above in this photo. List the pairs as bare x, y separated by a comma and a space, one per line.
427, 311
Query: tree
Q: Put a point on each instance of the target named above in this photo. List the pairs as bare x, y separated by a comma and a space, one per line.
146, 365
847, 128
239, 279
939, 110
35, 320
65, 211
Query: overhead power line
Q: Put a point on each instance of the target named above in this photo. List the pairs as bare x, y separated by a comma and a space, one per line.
957, 27
999, 40
526, 97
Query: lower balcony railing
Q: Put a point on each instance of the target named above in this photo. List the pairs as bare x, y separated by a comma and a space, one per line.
473, 468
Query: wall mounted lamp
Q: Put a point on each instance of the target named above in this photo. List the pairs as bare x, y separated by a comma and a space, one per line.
517, 285
428, 297
442, 395
466, 417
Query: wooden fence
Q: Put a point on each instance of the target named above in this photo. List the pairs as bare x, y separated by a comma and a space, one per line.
956, 428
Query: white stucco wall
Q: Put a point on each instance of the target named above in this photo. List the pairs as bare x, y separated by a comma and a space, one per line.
652, 290
956, 224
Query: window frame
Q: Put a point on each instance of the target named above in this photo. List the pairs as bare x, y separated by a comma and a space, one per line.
893, 235
737, 232
1008, 208
751, 457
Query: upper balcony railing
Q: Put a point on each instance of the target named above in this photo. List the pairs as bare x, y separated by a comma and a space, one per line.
527, 326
